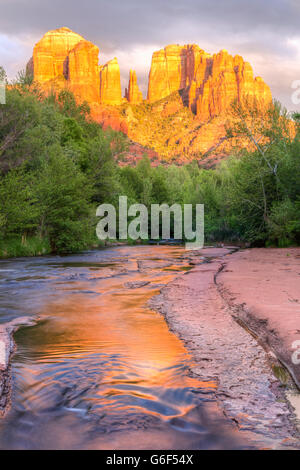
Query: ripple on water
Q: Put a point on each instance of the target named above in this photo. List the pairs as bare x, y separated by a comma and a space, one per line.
100, 363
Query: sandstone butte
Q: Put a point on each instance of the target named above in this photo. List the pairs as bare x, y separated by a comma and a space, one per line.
64, 59
193, 120
209, 82
133, 93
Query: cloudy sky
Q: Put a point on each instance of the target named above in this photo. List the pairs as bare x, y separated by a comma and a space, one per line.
265, 32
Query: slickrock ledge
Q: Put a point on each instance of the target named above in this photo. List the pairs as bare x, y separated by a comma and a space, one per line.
262, 287
248, 391
7, 347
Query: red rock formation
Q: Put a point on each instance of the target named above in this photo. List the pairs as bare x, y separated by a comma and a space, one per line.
133, 93
174, 68
63, 58
209, 84
195, 89
231, 79
110, 83
83, 72
51, 52
110, 117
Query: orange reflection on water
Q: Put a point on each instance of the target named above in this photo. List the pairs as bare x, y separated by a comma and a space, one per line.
126, 350
100, 360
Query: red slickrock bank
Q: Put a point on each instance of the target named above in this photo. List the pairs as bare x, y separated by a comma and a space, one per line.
262, 286
201, 307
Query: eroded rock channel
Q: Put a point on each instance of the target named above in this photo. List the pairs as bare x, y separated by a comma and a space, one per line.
97, 367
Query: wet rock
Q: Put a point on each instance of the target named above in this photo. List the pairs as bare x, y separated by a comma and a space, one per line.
136, 284
6, 349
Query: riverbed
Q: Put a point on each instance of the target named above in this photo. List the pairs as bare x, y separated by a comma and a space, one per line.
101, 369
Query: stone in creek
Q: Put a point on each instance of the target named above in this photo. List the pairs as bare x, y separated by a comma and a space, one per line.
7, 347
136, 284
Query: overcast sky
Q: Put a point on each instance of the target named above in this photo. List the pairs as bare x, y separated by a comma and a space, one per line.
265, 32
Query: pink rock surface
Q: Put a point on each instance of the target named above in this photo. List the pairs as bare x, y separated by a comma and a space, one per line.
263, 287
247, 390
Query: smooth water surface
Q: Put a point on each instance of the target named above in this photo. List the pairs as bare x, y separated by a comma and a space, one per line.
100, 369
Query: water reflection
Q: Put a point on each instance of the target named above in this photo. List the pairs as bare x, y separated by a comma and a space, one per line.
101, 370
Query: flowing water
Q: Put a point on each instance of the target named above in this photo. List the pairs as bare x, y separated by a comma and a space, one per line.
100, 369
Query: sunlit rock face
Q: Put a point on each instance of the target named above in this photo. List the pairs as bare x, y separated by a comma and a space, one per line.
83, 71
208, 83
110, 117
133, 93
230, 79
50, 54
174, 68
189, 93
110, 83
64, 59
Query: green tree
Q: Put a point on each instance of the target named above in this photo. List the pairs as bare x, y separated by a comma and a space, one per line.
64, 194
3, 76
19, 211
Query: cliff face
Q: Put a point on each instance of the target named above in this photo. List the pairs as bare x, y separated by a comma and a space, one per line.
189, 92
174, 68
230, 78
110, 83
133, 93
208, 83
51, 52
83, 71
65, 59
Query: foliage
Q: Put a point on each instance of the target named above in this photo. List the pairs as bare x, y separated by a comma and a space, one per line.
57, 165
3, 76
23, 78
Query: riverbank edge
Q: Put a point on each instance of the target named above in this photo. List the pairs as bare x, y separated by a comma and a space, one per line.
257, 325
36, 246
46, 251
43, 248
273, 358
7, 349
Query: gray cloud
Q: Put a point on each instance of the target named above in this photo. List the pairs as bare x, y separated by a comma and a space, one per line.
265, 32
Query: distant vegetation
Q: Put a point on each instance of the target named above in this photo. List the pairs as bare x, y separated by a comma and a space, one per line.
57, 165
159, 125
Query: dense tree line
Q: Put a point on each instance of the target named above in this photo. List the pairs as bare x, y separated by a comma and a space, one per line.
57, 165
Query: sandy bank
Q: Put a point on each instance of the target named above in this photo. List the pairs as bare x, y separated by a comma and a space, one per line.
262, 288
248, 391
